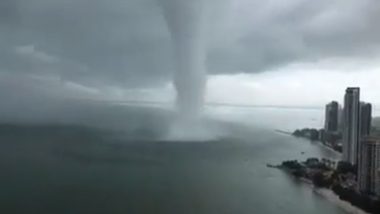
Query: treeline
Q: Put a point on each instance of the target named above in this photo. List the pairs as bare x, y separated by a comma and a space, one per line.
323, 176
364, 202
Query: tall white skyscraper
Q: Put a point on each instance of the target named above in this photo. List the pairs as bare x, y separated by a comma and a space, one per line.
351, 125
369, 167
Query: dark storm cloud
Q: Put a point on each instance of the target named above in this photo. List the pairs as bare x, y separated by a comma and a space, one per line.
279, 33
127, 43
116, 41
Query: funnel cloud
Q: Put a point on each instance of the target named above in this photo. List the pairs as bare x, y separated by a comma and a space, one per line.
185, 20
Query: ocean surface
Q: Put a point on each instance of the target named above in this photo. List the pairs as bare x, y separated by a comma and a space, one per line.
128, 160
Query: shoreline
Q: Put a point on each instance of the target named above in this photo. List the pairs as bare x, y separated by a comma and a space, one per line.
315, 135
329, 195
283, 132
315, 174
329, 148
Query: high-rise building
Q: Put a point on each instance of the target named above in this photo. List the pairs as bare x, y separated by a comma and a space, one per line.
369, 167
366, 119
332, 117
351, 125
340, 119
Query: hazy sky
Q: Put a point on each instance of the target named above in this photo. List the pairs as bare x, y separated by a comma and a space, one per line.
275, 52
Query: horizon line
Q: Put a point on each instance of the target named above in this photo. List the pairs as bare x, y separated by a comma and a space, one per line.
237, 105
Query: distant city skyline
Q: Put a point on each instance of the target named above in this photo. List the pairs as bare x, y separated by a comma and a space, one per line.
356, 138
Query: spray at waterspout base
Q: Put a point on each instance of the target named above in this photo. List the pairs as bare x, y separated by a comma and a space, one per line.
185, 129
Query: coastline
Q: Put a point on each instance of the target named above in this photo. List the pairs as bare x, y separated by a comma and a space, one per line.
332, 197
322, 179
320, 136
329, 195
329, 148
283, 132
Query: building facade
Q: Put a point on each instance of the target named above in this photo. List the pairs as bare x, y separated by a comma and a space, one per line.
366, 119
351, 125
332, 117
369, 167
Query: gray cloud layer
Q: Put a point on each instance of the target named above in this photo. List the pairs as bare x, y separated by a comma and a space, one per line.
127, 43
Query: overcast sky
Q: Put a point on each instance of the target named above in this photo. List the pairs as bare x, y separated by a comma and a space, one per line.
275, 52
